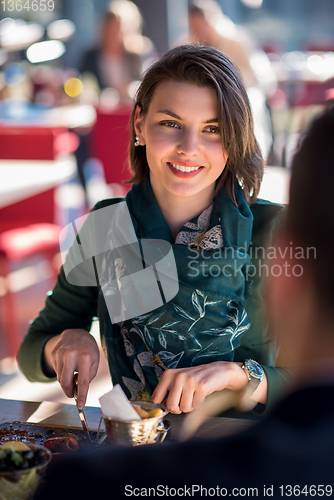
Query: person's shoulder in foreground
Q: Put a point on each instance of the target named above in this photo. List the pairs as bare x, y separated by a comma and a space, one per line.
289, 452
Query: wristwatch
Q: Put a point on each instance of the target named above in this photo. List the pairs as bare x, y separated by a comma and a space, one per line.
255, 374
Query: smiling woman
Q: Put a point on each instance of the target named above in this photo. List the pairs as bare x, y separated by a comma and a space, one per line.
185, 155
197, 170
207, 74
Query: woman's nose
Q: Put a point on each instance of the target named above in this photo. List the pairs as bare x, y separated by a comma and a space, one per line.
189, 144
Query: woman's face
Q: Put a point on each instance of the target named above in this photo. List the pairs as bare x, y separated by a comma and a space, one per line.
183, 144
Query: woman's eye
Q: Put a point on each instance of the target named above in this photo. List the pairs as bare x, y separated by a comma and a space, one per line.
170, 124
212, 129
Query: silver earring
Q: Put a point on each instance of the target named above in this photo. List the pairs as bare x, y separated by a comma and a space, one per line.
137, 141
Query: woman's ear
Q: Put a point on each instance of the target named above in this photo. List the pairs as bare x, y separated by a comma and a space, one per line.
138, 126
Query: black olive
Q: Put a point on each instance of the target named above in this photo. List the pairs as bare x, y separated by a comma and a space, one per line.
28, 454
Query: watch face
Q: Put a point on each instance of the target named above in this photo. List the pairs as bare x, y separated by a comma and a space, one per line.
254, 369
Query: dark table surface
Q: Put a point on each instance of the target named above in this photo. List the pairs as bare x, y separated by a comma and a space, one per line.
50, 414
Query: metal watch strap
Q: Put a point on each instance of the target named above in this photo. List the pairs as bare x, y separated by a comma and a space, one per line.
253, 381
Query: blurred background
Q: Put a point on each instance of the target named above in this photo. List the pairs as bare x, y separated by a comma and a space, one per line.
68, 74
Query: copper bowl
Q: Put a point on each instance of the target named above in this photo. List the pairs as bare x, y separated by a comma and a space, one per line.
138, 432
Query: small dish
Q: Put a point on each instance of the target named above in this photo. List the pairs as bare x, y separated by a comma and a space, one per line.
22, 483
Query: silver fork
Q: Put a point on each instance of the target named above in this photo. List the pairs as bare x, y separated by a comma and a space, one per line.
80, 410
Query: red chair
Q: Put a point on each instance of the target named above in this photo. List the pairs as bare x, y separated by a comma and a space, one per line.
27, 227
109, 143
36, 143
15, 246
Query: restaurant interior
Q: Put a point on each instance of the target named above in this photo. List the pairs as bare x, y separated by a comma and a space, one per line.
64, 134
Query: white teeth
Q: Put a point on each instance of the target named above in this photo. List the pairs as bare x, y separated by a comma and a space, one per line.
184, 169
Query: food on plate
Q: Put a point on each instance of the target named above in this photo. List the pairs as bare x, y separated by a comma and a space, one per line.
17, 432
141, 412
156, 412
21, 467
56, 439
17, 445
15, 455
61, 444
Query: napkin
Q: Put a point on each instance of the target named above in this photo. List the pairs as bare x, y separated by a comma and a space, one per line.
45, 410
115, 405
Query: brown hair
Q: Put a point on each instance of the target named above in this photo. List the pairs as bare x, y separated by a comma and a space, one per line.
206, 66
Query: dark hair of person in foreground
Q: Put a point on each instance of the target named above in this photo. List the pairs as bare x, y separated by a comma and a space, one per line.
310, 219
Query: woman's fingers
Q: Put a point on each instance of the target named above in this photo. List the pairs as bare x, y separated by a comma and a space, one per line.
84, 378
162, 388
185, 403
65, 374
175, 393
187, 388
170, 383
76, 351
191, 389
184, 387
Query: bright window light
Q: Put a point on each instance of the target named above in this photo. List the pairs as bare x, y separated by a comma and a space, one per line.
45, 51
253, 4
62, 29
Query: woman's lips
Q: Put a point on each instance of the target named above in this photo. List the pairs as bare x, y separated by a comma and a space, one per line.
190, 170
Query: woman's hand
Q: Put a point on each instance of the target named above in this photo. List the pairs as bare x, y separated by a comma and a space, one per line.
188, 387
74, 350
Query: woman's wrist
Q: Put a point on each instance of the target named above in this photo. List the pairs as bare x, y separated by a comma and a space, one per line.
237, 377
46, 360
239, 380
260, 394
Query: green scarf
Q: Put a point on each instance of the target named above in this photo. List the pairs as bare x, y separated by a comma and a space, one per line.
204, 322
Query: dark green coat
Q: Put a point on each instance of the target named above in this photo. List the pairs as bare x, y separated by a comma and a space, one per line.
70, 306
